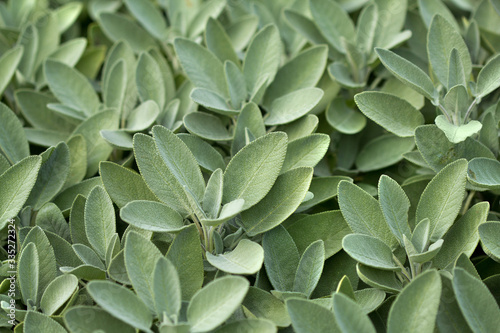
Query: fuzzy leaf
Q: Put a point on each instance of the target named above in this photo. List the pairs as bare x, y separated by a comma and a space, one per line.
246, 258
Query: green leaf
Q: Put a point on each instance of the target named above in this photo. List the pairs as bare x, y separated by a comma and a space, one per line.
454, 133
143, 116
303, 71
8, 65
377, 278
179, 160
462, 237
416, 307
76, 319
383, 151
206, 126
216, 302
427, 255
395, 206
367, 28
212, 101
369, 251
78, 160
51, 176
306, 152
363, 213
158, 176
483, 172
280, 202
218, 42
329, 226
119, 27
310, 317
443, 37
438, 151
65, 199
262, 58
206, 155
442, 198
141, 256
88, 256
149, 80
305, 26
71, 87
35, 322
333, 22
250, 117
262, 304
310, 268
281, 258
28, 272
213, 195
476, 302
201, 66
58, 292
167, 288
323, 189
450, 317
369, 299
429, 8
456, 74
149, 16
489, 238
47, 262
100, 223
344, 118
249, 325
210, 9
97, 148
349, 315
50, 218
236, 84
246, 258
16, 184
292, 106
114, 88
487, 79
13, 143
121, 303
253, 170
408, 73
391, 112
152, 216
185, 254
123, 185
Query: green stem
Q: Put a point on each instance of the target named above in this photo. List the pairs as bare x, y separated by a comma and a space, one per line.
445, 113
469, 110
403, 269
468, 202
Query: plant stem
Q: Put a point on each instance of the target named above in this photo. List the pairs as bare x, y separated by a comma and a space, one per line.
469, 110
403, 269
445, 113
468, 202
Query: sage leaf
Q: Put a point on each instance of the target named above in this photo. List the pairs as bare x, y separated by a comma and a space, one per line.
456, 133
292, 106
489, 233
253, 170
415, 308
28, 272
280, 202
36, 322
13, 142
369, 251
476, 302
246, 258
310, 268
363, 213
408, 73
391, 112
16, 184
152, 216
121, 303
8, 64
100, 223
216, 302
76, 319
167, 289
310, 317
58, 292
487, 79
441, 200
349, 315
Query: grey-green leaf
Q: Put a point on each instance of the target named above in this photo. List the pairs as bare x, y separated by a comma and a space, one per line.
415, 309
167, 288
152, 216
246, 258
253, 170
292, 106
488, 78
121, 303
408, 73
349, 315
310, 268
476, 302
369, 251
13, 142
58, 292
216, 302
309, 317
391, 112
441, 200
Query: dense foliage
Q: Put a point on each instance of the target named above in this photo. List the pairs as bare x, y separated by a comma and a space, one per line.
249, 166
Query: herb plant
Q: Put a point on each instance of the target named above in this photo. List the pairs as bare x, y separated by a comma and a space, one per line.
249, 166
